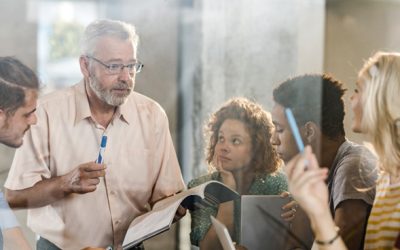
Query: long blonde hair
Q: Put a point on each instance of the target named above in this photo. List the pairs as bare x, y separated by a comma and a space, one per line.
380, 78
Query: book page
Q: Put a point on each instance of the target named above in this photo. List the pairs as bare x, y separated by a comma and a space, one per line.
223, 234
151, 222
163, 212
162, 204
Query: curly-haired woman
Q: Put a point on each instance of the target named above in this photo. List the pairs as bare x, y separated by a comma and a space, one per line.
240, 155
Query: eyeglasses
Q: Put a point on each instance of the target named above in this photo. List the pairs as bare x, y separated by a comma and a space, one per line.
116, 68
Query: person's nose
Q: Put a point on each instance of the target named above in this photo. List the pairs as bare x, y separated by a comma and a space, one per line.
274, 139
224, 147
32, 119
125, 75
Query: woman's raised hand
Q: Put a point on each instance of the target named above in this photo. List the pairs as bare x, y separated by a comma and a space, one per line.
227, 176
307, 182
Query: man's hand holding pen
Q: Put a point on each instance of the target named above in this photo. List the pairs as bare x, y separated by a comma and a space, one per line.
84, 178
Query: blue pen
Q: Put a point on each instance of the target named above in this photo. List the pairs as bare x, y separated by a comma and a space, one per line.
295, 129
295, 132
102, 148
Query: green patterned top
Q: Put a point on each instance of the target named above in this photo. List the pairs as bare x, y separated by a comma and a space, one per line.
268, 184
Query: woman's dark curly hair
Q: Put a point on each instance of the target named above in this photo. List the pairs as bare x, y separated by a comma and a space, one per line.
259, 125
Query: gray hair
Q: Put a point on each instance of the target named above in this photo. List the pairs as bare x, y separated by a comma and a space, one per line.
106, 27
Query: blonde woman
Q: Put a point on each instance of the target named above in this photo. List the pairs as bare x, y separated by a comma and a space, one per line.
376, 107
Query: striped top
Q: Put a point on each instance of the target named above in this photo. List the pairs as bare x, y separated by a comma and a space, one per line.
384, 221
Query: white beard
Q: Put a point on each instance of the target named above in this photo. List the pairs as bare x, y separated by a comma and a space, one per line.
105, 95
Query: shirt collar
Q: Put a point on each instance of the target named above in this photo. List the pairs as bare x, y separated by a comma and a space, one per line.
81, 102
125, 110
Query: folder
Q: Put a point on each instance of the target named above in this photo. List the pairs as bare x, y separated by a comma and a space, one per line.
262, 226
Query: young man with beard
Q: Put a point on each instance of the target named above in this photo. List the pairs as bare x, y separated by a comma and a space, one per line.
317, 104
18, 94
74, 202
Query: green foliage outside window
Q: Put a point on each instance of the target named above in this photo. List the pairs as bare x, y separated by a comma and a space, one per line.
64, 40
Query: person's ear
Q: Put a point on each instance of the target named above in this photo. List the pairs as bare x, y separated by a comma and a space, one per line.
310, 131
3, 117
84, 64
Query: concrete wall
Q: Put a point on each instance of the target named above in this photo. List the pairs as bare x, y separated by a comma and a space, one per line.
355, 30
247, 47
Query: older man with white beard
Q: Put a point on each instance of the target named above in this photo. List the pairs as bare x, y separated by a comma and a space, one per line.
74, 202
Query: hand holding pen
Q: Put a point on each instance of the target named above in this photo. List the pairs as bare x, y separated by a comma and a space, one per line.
86, 177
296, 133
103, 145
295, 129
307, 187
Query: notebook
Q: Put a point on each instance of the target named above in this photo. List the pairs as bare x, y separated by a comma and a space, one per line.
262, 226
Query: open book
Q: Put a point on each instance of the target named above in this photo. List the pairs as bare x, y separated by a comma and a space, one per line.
160, 218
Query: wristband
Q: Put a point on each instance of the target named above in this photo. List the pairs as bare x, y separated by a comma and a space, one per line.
328, 242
